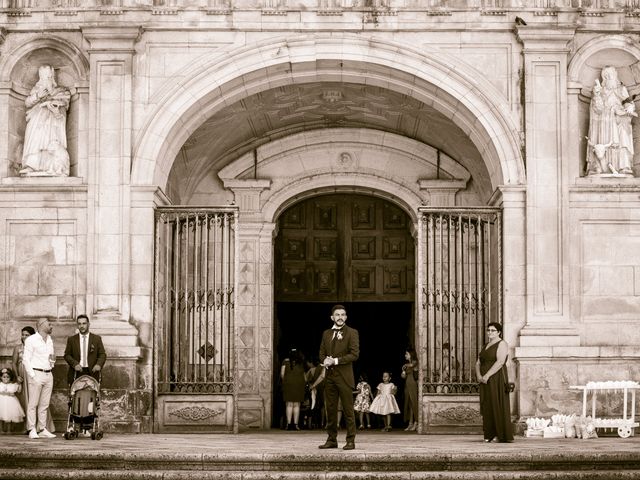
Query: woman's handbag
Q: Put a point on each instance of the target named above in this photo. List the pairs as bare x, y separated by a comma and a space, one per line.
508, 386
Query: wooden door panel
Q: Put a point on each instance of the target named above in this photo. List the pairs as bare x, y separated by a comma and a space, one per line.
325, 248
363, 248
325, 216
394, 248
294, 248
363, 215
344, 248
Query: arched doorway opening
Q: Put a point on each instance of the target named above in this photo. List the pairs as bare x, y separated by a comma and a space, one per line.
352, 249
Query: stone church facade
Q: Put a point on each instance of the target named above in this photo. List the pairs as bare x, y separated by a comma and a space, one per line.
215, 146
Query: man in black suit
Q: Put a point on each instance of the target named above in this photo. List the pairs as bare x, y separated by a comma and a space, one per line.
340, 347
85, 353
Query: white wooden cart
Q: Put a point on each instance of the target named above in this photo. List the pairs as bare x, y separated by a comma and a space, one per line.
627, 423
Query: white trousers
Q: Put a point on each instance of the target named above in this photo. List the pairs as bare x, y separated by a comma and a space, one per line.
40, 388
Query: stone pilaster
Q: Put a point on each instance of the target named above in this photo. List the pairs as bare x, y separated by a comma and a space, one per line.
546, 125
111, 59
254, 311
109, 229
254, 324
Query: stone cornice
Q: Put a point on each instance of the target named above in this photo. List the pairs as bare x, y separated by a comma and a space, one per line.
112, 39
544, 38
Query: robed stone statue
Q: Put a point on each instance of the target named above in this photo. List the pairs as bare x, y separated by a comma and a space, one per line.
610, 139
45, 140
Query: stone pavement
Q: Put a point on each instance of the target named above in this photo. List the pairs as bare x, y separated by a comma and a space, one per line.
306, 443
294, 455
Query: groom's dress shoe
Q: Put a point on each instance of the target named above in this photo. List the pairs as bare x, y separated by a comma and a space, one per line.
349, 446
329, 445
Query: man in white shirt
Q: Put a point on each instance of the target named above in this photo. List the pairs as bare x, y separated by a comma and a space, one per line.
39, 359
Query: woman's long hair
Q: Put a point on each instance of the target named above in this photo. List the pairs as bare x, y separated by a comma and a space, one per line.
413, 356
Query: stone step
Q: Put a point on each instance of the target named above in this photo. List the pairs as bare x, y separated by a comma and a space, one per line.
295, 456
126, 474
91, 460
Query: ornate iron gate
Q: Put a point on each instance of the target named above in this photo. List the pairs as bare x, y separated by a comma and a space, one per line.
195, 279
461, 287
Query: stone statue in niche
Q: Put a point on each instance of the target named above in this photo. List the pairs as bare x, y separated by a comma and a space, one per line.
610, 140
45, 139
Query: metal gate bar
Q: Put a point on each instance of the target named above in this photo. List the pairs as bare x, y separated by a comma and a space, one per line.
195, 275
461, 289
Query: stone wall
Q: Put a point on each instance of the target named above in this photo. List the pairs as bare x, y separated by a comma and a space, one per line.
142, 114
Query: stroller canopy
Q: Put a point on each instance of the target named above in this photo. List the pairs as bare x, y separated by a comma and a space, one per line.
84, 381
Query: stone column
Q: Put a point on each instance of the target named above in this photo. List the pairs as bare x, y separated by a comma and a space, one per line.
546, 125
512, 199
108, 221
254, 311
110, 137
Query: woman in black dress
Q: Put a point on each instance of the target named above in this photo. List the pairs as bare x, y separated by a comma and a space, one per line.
410, 375
293, 387
491, 370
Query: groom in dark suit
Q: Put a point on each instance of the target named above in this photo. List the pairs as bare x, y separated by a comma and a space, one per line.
85, 353
340, 347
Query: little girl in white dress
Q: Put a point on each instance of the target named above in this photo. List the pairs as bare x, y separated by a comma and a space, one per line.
10, 409
385, 401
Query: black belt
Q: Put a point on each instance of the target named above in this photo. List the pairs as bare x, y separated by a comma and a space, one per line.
41, 370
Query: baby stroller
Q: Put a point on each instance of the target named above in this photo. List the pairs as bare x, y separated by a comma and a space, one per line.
84, 408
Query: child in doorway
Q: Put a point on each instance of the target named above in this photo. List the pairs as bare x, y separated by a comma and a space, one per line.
363, 400
10, 409
385, 401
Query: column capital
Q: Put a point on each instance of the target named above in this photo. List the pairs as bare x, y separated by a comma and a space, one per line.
148, 196
255, 230
508, 195
545, 39
111, 39
247, 192
442, 193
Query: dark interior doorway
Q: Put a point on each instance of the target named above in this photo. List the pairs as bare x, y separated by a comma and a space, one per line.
386, 329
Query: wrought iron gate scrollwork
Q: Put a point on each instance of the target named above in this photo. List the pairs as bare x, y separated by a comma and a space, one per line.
195, 277
461, 292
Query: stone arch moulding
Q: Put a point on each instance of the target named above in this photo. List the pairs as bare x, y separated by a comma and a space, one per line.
72, 52
431, 76
582, 56
342, 159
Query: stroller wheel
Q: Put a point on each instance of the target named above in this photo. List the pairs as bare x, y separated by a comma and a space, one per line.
66, 436
93, 435
99, 435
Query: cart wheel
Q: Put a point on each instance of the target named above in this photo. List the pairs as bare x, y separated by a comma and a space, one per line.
93, 435
624, 431
66, 436
99, 435
73, 434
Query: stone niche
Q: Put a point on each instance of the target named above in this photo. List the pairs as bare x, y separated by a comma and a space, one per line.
23, 77
627, 66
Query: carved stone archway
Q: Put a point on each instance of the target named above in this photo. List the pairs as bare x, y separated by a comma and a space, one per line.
454, 89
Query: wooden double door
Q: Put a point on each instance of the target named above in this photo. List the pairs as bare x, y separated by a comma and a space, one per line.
344, 248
